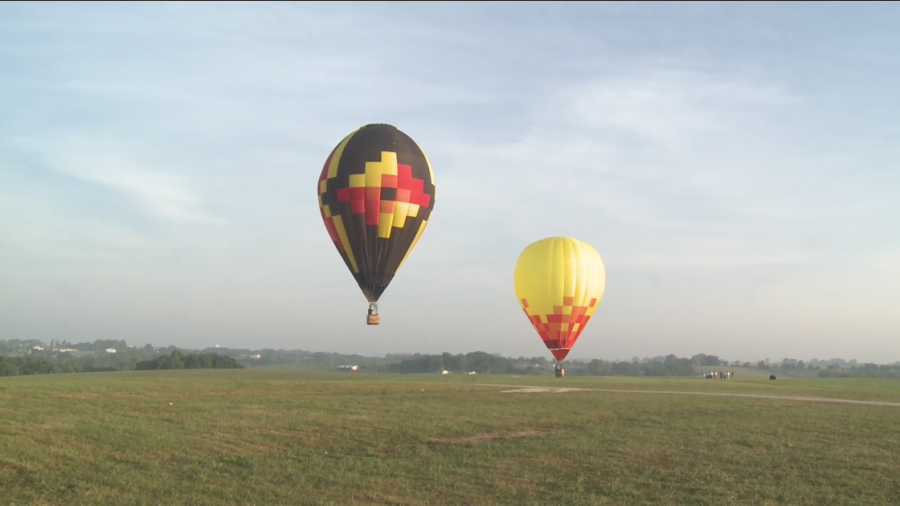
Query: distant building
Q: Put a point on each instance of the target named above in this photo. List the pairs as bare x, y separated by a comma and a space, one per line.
38, 348
110, 350
445, 372
349, 367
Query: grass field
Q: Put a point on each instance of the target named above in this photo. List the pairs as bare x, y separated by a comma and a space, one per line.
296, 366
286, 437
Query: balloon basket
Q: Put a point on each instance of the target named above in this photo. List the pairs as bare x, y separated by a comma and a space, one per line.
373, 318
560, 373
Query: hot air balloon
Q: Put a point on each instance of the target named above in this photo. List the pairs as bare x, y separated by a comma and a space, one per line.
376, 194
559, 282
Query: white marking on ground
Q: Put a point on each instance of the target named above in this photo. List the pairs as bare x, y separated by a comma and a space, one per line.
539, 390
532, 389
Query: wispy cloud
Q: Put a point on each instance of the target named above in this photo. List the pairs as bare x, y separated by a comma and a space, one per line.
668, 109
607, 156
103, 162
738, 163
887, 262
36, 228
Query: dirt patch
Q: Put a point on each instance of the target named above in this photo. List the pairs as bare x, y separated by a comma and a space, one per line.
75, 395
154, 458
150, 394
52, 425
12, 465
492, 436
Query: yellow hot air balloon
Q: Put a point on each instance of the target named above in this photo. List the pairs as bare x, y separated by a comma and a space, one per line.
559, 282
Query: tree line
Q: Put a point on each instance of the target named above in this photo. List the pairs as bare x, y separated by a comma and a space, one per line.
669, 366
116, 355
862, 371
31, 364
178, 360
11, 345
481, 362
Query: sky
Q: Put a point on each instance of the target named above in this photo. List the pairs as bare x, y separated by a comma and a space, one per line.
734, 164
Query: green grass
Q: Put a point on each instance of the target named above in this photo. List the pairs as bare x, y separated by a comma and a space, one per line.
296, 366
283, 437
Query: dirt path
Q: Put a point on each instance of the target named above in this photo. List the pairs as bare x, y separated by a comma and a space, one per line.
536, 389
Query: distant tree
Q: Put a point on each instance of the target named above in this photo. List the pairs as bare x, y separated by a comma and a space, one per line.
600, 368
178, 360
671, 366
712, 360
174, 360
8, 367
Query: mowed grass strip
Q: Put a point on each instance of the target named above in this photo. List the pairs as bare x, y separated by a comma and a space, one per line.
267, 437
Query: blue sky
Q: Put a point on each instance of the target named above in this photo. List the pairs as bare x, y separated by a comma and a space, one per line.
734, 164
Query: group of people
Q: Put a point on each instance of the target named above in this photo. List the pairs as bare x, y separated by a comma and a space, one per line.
717, 375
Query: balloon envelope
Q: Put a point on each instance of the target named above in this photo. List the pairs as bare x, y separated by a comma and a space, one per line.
376, 193
559, 282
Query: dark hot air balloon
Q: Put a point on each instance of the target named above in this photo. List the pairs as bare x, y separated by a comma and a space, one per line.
376, 194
